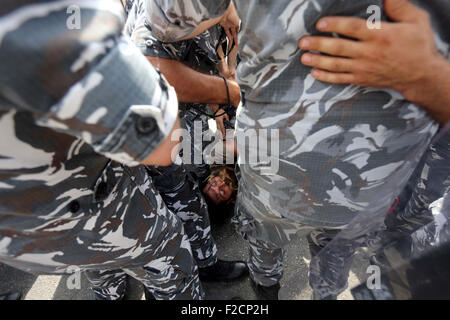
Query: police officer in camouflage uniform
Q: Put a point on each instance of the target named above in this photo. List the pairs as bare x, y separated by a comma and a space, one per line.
344, 149
81, 109
200, 55
178, 187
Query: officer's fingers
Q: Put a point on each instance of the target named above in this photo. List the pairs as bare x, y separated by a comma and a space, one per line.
348, 26
220, 52
333, 77
328, 63
235, 37
332, 46
221, 127
229, 35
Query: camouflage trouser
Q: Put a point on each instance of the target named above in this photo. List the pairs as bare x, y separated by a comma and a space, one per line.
419, 215
182, 196
266, 244
166, 280
431, 181
319, 167
197, 126
121, 226
170, 274
428, 186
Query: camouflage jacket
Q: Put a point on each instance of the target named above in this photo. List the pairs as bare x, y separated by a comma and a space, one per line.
74, 95
199, 53
270, 58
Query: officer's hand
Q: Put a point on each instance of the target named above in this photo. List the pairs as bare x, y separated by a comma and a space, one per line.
227, 65
219, 120
235, 92
230, 21
232, 57
222, 65
400, 55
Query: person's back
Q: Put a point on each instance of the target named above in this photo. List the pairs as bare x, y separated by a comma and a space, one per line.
80, 110
339, 144
360, 139
344, 149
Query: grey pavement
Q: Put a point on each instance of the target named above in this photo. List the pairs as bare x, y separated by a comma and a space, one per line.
231, 246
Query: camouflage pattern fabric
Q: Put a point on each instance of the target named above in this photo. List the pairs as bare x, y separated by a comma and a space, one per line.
345, 151
80, 108
418, 230
422, 220
182, 196
128, 6
422, 217
178, 189
200, 54
266, 257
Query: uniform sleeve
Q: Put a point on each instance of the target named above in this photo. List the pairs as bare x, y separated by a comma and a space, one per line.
140, 33
174, 20
88, 82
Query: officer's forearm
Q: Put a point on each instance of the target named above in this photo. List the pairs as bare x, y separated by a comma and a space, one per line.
193, 86
433, 92
165, 153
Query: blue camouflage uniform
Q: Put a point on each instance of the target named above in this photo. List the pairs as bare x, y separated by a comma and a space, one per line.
179, 189
80, 108
200, 54
343, 149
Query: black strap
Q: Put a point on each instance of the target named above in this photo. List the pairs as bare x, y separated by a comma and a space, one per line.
222, 107
228, 89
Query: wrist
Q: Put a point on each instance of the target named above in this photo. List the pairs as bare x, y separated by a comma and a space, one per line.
432, 90
423, 87
235, 93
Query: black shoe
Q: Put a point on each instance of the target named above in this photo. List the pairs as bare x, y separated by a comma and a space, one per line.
148, 294
223, 271
266, 293
10, 296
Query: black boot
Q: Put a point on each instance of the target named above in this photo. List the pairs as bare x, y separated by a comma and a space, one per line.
266, 293
223, 271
